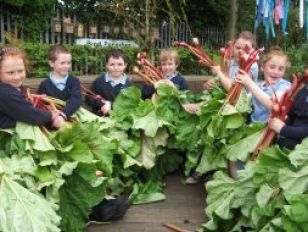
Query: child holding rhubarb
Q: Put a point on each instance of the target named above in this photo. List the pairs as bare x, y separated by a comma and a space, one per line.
169, 62
59, 83
243, 41
274, 66
295, 128
67, 88
13, 104
109, 85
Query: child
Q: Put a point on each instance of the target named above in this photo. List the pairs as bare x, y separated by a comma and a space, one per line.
169, 61
109, 85
295, 129
274, 66
67, 88
13, 105
59, 83
243, 39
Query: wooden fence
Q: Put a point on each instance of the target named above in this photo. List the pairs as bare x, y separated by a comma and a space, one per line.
65, 29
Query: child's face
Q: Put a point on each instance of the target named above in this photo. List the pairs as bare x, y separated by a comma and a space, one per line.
274, 69
116, 67
13, 71
168, 67
239, 46
62, 65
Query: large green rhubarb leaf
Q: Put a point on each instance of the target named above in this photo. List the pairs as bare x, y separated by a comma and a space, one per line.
39, 140
22, 210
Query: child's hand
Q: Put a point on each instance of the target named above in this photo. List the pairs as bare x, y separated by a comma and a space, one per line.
165, 81
209, 84
243, 78
106, 107
191, 108
58, 122
276, 124
216, 70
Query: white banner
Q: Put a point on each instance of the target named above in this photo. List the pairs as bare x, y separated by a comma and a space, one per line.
106, 42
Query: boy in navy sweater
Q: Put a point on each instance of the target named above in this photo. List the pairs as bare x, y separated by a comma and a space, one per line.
109, 85
13, 104
169, 61
60, 84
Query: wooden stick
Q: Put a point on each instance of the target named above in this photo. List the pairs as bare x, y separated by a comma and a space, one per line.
174, 228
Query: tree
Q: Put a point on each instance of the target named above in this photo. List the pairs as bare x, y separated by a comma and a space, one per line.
143, 16
27, 16
232, 20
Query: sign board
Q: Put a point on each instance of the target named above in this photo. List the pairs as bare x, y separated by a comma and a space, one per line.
106, 42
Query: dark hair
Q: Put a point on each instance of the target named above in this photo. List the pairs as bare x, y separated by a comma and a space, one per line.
55, 50
247, 35
116, 53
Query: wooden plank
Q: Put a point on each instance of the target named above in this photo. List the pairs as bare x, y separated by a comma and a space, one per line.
194, 82
183, 207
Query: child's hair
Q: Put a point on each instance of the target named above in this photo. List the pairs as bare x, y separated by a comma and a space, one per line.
15, 52
55, 50
247, 35
116, 53
276, 51
169, 53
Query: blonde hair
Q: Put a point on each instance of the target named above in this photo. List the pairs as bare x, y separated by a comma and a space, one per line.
6, 52
276, 51
168, 54
247, 35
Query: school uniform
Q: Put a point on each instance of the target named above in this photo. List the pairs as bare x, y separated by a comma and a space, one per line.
234, 67
260, 113
108, 89
296, 128
14, 107
67, 89
177, 79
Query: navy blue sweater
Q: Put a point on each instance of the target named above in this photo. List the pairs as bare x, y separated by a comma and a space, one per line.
14, 107
178, 80
104, 88
296, 128
71, 94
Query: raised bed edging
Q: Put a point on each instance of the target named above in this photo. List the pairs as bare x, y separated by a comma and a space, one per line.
194, 82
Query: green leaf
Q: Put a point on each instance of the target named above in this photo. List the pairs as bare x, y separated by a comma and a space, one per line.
149, 148
265, 194
81, 152
293, 182
234, 121
33, 133
220, 196
77, 197
149, 123
298, 156
21, 208
241, 149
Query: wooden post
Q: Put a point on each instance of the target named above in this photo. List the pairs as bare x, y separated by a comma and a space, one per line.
1, 28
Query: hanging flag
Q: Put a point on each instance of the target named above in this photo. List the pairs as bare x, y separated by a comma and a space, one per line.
306, 2
301, 13
286, 8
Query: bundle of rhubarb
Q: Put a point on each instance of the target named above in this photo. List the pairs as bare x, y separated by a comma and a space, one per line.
280, 110
150, 73
247, 59
225, 57
197, 50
